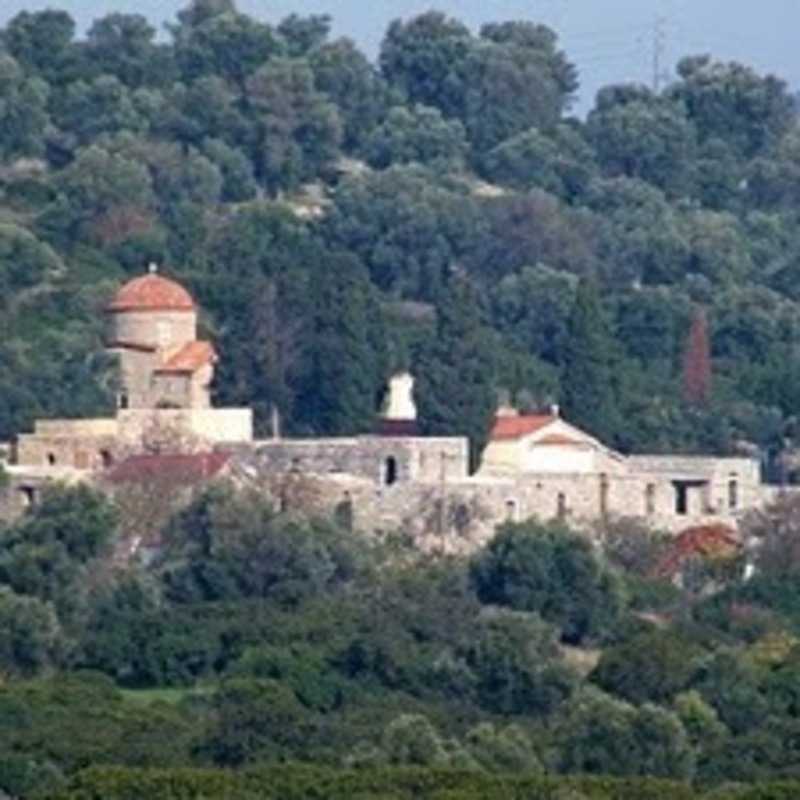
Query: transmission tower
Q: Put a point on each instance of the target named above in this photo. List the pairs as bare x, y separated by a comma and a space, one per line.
659, 52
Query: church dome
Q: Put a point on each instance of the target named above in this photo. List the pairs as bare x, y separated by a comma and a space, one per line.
152, 292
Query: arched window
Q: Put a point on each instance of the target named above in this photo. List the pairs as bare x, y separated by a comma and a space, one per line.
390, 471
51, 459
512, 510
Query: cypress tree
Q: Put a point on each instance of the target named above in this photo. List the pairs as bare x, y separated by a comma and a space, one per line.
588, 380
697, 363
456, 371
348, 351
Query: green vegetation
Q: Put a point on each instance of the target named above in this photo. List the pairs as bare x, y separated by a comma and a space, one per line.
438, 210
255, 638
338, 220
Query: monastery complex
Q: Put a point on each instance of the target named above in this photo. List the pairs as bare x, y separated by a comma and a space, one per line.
392, 480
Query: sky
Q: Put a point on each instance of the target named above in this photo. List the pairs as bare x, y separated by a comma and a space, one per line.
611, 41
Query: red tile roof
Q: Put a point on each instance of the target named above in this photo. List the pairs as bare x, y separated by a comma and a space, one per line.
191, 357
517, 427
714, 540
152, 292
184, 468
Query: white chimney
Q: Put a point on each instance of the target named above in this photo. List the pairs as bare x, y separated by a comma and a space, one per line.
400, 405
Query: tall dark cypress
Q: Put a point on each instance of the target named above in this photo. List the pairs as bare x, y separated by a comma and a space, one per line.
456, 372
348, 351
587, 380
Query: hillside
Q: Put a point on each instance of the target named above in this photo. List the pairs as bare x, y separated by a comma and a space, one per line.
340, 219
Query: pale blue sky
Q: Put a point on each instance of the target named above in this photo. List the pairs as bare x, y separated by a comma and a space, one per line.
610, 40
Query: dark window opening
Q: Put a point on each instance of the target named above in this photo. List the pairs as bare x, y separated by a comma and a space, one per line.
603, 495
123, 400
511, 510
390, 471
733, 494
681, 499
28, 495
51, 459
106, 459
561, 508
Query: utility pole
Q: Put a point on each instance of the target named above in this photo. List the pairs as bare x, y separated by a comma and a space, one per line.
659, 51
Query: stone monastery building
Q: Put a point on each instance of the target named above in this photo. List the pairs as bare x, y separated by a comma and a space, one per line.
533, 465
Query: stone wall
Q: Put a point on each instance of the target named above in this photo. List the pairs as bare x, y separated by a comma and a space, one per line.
82, 444
383, 460
161, 329
204, 425
460, 515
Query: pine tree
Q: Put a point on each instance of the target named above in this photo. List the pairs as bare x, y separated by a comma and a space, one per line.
588, 380
697, 363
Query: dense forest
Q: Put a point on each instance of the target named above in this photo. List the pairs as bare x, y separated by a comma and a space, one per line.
439, 210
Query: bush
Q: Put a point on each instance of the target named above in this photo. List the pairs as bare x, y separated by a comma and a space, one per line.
549, 569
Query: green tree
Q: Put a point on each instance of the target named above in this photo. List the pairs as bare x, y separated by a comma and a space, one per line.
640, 135
560, 161
425, 58
212, 38
731, 102
588, 379
23, 111
602, 736
462, 354
405, 227
123, 45
653, 666
30, 635
517, 666
347, 350
304, 34
299, 130
254, 721
417, 135
548, 569
347, 78
42, 42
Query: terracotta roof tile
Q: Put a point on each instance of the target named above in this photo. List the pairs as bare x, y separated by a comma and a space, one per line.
183, 468
517, 427
152, 292
191, 357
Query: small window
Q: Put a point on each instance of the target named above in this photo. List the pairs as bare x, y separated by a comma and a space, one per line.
51, 459
603, 495
512, 510
106, 459
28, 494
390, 471
163, 333
561, 505
681, 499
122, 400
650, 498
733, 494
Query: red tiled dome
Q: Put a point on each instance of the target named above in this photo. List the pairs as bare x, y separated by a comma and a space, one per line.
152, 292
